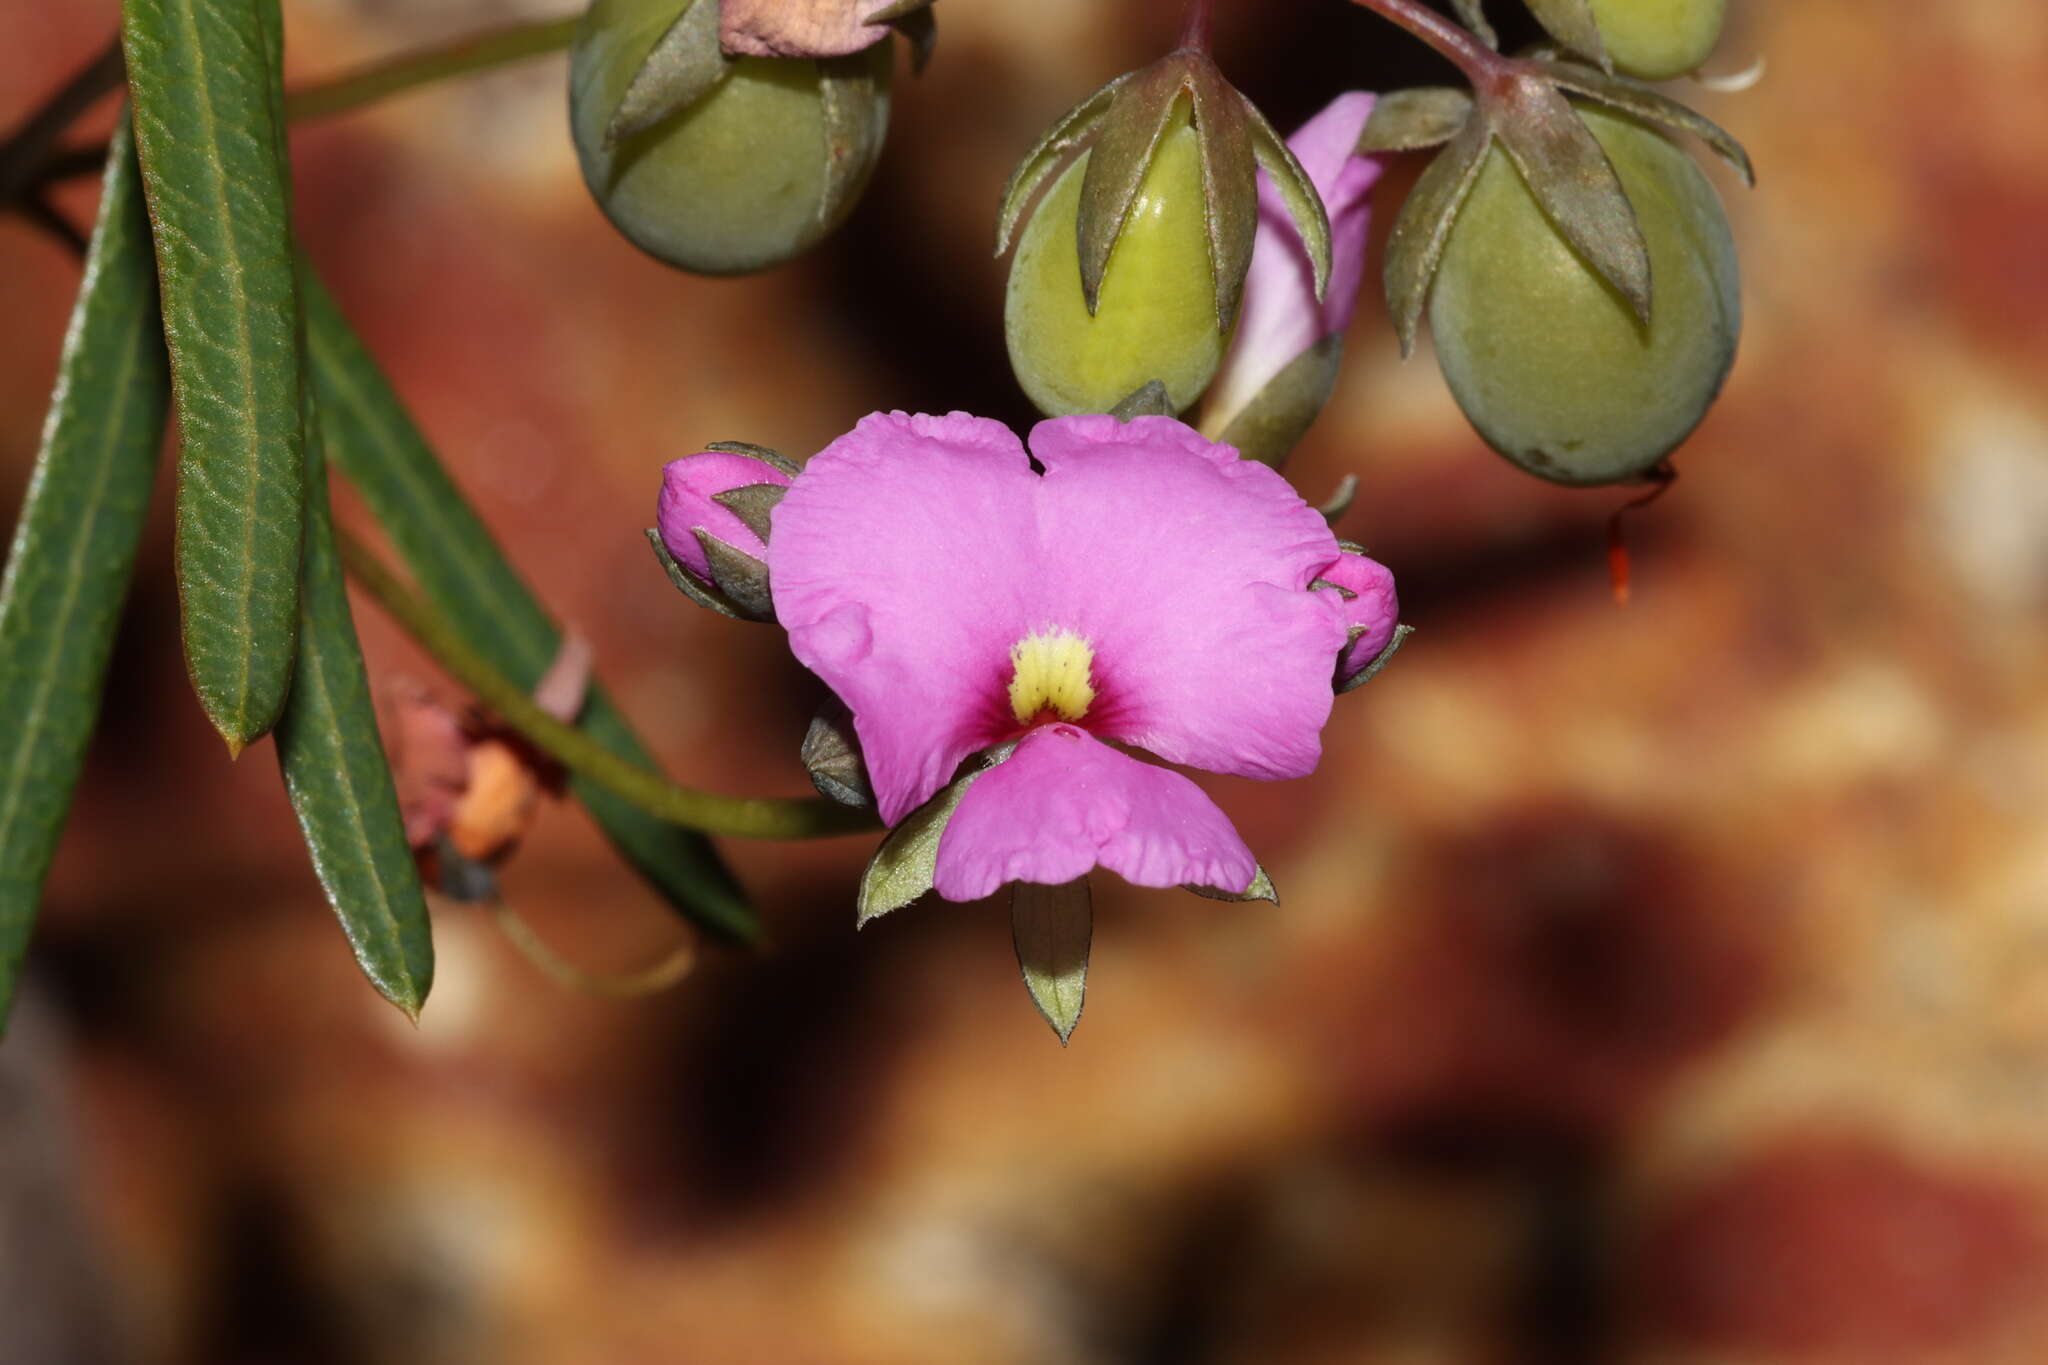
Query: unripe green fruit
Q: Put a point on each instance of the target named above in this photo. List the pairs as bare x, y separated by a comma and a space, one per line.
1656, 40
1156, 313
1547, 360
735, 182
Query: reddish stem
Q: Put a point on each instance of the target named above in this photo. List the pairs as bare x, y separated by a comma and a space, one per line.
1481, 64
1194, 28
1663, 476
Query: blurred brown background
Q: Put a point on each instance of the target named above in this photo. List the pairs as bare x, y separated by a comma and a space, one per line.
1665, 985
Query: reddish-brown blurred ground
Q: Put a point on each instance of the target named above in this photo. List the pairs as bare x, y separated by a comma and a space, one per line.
1663, 986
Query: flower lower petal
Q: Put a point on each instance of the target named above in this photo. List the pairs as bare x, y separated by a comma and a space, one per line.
1064, 803
1186, 568
901, 562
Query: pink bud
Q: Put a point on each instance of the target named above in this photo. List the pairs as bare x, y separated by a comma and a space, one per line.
687, 506
1372, 609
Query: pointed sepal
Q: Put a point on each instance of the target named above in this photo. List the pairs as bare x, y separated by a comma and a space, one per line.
831, 755
903, 867
1573, 24
851, 94
1339, 502
1125, 139
1268, 428
1261, 889
1415, 120
1416, 244
1472, 14
753, 504
684, 65
1652, 106
696, 589
1147, 400
1052, 928
1049, 156
918, 25
1564, 167
1230, 184
1297, 193
1371, 670
774, 459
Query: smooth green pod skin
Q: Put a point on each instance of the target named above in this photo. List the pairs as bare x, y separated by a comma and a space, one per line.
1156, 315
1548, 362
734, 183
1658, 40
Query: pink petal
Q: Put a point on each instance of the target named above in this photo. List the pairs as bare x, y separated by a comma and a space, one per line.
1280, 317
685, 505
904, 564
1372, 606
797, 28
1185, 569
1064, 803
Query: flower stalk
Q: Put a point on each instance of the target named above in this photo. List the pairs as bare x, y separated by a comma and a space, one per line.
740, 817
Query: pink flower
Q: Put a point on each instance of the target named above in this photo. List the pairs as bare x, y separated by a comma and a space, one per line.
1147, 591
1371, 609
1280, 317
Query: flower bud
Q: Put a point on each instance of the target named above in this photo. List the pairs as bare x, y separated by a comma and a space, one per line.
712, 518
717, 165
1553, 367
1371, 611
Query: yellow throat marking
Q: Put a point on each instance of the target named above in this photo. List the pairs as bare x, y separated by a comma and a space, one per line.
1049, 672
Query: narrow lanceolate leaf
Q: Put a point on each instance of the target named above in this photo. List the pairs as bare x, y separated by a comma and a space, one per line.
1653, 106
1573, 180
74, 547
339, 781
209, 125
1416, 244
1411, 120
460, 568
1050, 155
1052, 927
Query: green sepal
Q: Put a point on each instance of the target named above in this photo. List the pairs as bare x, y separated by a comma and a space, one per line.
903, 866
1268, 428
1472, 14
1261, 889
753, 504
741, 577
1577, 187
1052, 928
696, 589
1125, 139
1230, 184
1653, 106
918, 25
1339, 502
1147, 400
1371, 670
1416, 244
832, 756
1415, 120
684, 65
1048, 156
1297, 192
1572, 23
851, 94
773, 458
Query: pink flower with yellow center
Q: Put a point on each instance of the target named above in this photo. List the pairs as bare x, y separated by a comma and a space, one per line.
1123, 587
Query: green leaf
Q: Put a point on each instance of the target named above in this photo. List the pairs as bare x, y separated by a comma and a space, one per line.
74, 548
460, 568
209, 126
1052, 927
340, 784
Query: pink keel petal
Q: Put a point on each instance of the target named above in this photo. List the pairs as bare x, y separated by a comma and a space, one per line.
1373, 607
685, 505
1280, 317
1186, 568
904, 562
1064, 803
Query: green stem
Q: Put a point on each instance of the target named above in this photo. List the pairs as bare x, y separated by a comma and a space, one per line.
425, 65
754, 817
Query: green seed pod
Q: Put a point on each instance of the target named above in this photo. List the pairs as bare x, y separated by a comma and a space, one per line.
1156, 315
1656, 40
1547, 360
754, 160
